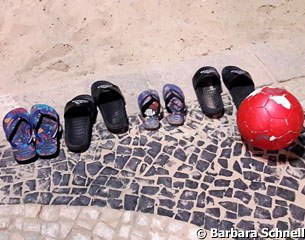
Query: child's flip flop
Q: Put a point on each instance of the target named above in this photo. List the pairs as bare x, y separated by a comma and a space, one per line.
110, 100
150, 107
45, 123
207, 86
238, 82
80, 114
18, 132
175, 104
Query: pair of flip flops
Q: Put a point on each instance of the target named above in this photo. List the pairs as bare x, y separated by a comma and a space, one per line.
207, 85
34, 133
151, 110
80, 114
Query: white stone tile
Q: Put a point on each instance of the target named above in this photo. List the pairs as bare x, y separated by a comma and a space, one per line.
69, 212
127, 217
79, 235
124, 231
32, 225
16, 224
49, 213
4, 223
50, 229
89, 213
143, 220
65, 228
31, 210
104, 231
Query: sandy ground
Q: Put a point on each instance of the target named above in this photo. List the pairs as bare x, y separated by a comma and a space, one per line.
50, 43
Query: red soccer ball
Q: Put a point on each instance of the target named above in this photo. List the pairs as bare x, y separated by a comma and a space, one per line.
270, 118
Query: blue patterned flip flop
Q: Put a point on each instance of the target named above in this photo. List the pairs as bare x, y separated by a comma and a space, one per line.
175, 104
18, 132
149, 104
45, 123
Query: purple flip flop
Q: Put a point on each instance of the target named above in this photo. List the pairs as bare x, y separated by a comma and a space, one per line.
175, 104
18, 132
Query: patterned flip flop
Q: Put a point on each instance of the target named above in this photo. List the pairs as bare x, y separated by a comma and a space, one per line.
149, 104
18, 132
45, 124
175, 104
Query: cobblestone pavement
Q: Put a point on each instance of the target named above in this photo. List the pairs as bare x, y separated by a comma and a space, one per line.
163, 184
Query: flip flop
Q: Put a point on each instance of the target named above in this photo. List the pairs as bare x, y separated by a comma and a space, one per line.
18, 131
175, 104
238, 82
110, 100
80, 115
207, 86
150, 107
45, 124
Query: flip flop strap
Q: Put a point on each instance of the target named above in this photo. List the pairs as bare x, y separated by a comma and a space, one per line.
78, 103
145, 100
173, 93
11, 122
105, 87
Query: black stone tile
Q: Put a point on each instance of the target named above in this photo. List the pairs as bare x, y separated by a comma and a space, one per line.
208, 179
181, 175
165, 212
285, 194
183, 215
162, 160
296, 162
294, 225
232, 206
167, 203
207, 156
262, 200
222, 183
143, 168
204, 186
200, 143
180, 154
130, 202
225, 172
226, 225
281, 202
146, 204
79, 169
115, 203
120, 161
237, 149
133, 164
217, 193
43, 172
162, 171
290, 182
143, 140
81, 201
191, 184
223, 162
227, 142
245, 225
214, 212
297, 212
100, 180
188, 195
134, 187
198, 218
126, 141
226, 153
196, 175
155, 148
185, 204
262, 213
240, 184
31, 197
98, 202
211, 222
108, 158
184, 167
230, 215
179, 185
78, 191
201, 200
237, 167
122, 150
94, 168
62, 200
257, 186
271, 179
165, 181
243, 196
62, 190
169, 149
279, 211
193, 159
117, 182
114, 193
167, 193
139, 152
109, 171
246, 162
211, 148
244, 211
78, 180
252, 176
182, 143
229, 192
149, 190
282, 225
150, 172
257, 165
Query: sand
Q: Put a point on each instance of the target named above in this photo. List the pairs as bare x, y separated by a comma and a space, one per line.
50, 43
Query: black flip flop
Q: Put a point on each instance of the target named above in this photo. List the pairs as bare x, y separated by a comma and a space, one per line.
110, 100
238, 82
207, 86
80, 115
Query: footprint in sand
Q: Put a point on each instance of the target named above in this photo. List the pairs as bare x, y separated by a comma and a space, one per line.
266, 8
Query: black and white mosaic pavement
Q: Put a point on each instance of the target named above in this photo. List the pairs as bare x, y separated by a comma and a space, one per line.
200, 173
